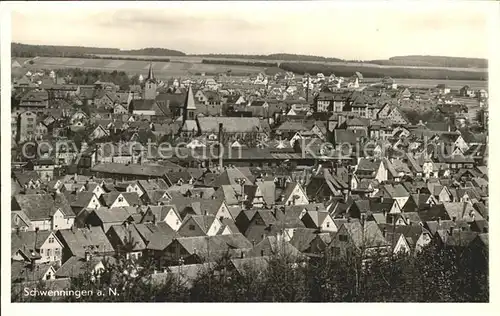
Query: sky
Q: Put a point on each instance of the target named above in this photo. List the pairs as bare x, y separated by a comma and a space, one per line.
364, 30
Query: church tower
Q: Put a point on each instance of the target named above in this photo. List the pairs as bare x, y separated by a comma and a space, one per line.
188, 114
150, 85
189, 108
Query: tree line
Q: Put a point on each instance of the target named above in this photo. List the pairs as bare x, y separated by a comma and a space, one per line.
156, 59
88, 77
434, 275
25, 50
238, 62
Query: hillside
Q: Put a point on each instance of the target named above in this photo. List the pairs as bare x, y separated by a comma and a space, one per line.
25, 50
287, 57
433, 61
377, 72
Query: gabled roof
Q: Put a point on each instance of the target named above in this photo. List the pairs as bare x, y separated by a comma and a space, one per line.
80, 240
82, 199
29, 242
290, 188
203, 246
396, 191
368, 235
25, 176
203, 221
128, 236
227, 193
274, 245
266, 215
159, 235
115, 214
43, 206
161, 211
318, 217
25, 221
242, 265
302, 238
461, 211
77, 265
22, 272
132, 198
230, 177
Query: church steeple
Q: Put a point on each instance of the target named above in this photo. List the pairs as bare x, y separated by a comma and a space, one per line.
189, 107
150, 84
151, 75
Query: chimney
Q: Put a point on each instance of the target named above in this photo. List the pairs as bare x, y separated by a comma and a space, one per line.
87, 256
262, 253
221, 145
36, 237
384, 232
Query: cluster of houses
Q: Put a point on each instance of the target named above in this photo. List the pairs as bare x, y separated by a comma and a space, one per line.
95, 184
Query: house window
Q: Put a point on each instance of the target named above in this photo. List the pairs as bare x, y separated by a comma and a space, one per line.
57, 252
120, 199
343, 237
327, 224
51, 240
49, 252
191, 227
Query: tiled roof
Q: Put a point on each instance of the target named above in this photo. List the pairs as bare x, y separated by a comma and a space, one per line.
80, 240
43, 206
230, 124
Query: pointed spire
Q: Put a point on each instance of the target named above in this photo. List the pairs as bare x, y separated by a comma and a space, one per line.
151, 75
189, 104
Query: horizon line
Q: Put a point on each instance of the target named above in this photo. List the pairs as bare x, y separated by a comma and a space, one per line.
246, 54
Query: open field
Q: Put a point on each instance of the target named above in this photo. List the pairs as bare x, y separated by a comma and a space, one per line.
432, 83
161, 69
198, 59
187, 65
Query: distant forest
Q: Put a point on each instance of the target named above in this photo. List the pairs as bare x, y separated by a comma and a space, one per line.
24, 50
238, 62
293, 57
